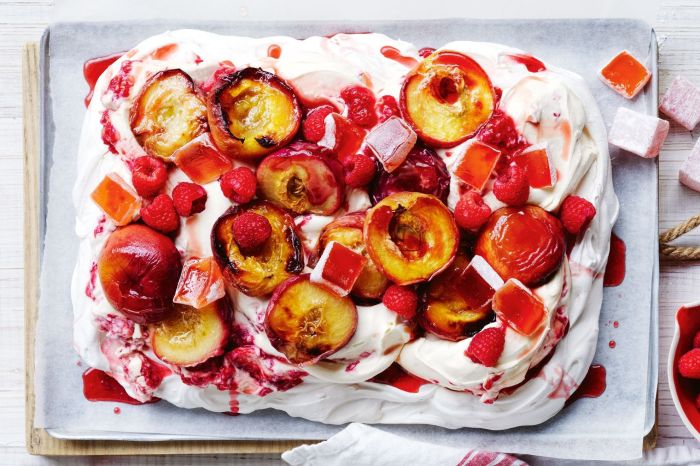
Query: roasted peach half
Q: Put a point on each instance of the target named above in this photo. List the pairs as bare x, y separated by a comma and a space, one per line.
302, 178
410, 236
455, 304
251, 113
190, 336
167, 113
447, 98
307, 322
139, 269
526, 243
259, 272
347, 230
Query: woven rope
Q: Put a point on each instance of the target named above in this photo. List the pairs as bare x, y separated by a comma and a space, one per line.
684, 253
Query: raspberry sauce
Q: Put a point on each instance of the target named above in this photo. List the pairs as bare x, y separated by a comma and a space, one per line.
100, 386
397, 377
592, 386
615, 270
93, 69
532, 64
392, 53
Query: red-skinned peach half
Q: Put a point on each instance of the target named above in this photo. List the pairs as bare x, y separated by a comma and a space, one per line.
139, 269
167, 113
348, 231
454, 307
190, 336
251, 113
307, 321
526, 243
257, 273
447, 98
410, 236
302, 178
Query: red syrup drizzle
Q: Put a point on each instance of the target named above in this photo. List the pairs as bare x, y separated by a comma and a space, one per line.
93, 69
612, 344
532, 64
395, 376
274, 51
100, 386
592, 386
615, 270
425, 51
392, 53
688, 320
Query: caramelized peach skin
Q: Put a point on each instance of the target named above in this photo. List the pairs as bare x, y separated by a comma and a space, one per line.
525, 243
252, 113
447, 98
277, 259
167, 113
139, 269
348, 231
454, 305
308, 322
411, 237
190, 336
302, 178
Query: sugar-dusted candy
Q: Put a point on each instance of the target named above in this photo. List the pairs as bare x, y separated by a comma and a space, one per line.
681, 103
338, 268
117, 199
625, 74
638, 133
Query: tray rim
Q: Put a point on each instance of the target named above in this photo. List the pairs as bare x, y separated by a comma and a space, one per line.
56, 442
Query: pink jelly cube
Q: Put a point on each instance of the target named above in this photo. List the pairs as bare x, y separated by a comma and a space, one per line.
638, 133
479, 282
475, 163
538, 165
689, 173
625, 74
681, 103
201, 160
391, 141
518, 307
201, 283
338, 268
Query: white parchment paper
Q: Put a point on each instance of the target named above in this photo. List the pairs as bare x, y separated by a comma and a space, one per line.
609, 427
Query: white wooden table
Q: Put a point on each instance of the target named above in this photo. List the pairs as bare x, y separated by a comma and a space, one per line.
678, 30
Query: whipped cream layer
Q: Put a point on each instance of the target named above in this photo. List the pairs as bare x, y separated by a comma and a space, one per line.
552, 106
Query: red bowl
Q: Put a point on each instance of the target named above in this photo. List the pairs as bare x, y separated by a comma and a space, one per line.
683, 390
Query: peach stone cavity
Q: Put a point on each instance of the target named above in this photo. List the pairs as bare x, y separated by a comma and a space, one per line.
550, 105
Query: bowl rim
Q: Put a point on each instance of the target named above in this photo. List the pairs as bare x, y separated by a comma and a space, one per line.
670, 364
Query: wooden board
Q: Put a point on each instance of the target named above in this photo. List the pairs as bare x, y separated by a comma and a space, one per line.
38, 441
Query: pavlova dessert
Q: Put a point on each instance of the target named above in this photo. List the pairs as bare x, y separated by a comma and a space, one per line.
343, 228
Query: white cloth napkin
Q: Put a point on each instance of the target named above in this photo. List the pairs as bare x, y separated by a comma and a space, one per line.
359, 445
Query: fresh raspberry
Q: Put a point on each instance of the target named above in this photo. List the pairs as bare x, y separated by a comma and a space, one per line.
387, 108
189, 198
359, 170
576, 213
486, 346
161, 214
696, 340
250, 230
360, 102
500, 131
401, 300
314, 126
239, 185
511, 186
689, 364
426, 51
471, 211
149, 175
